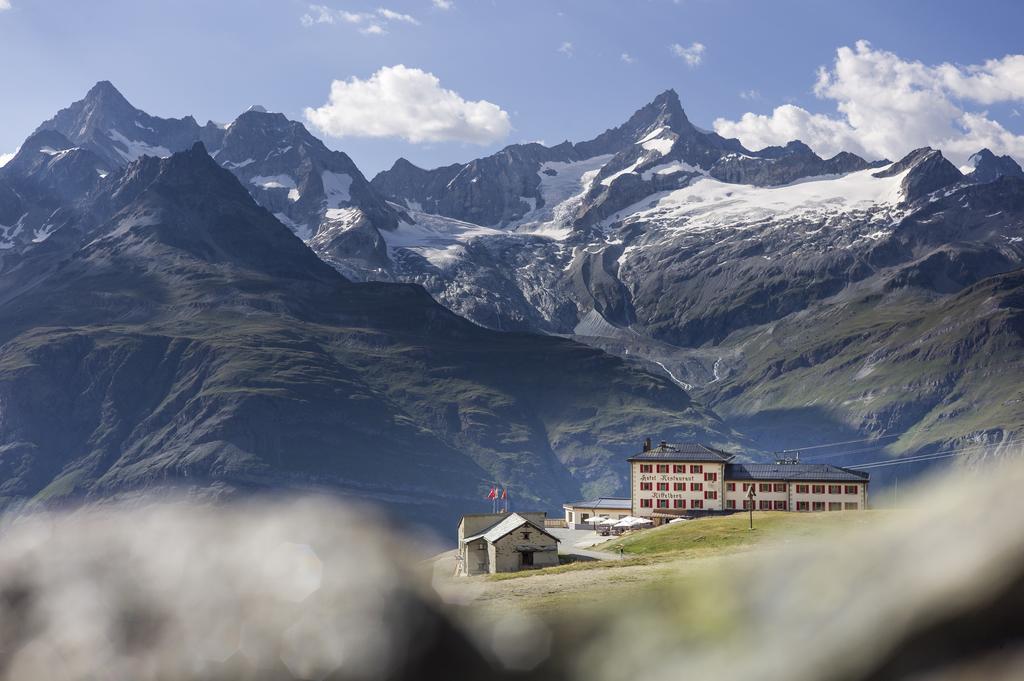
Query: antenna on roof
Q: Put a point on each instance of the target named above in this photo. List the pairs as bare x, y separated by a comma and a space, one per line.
787, 456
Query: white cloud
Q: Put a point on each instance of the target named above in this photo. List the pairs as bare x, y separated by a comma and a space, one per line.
750, 94
444, 4
692, 55
391, 15
566, 48
4, 4
628, 58
5, 158
398, 101
369, 22
887, 106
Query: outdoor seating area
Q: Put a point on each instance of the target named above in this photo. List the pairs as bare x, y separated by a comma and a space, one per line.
606, 526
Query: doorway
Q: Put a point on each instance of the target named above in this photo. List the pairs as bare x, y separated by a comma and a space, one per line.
527, 558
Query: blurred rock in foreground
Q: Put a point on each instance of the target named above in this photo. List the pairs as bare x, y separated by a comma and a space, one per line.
315, 590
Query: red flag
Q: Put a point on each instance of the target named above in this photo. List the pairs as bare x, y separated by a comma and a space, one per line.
504, 494
493, 494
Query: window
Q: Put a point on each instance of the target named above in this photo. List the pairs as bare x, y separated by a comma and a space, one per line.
818, 489
526, 535
662, 503
779, 487
835, 506
803, 489
710, 494
780, 505
646, 503
730, 503
678, 468
696, 486
697, 503
764, 505
678, 486
803, 505
747, 504
583, 517
646, 468
678, 503
851, 489
764, 487
818, 506
696, 469
662, 486
851, 506
730, 487
747, 486
663, 468
835, 489
711, 476
646, 486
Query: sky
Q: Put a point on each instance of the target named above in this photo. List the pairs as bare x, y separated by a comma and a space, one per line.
445, 81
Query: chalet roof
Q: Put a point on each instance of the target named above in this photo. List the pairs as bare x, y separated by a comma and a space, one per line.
613, 503
810, 472
510, 523
689, 451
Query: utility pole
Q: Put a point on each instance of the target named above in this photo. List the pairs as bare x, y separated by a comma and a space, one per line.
750, 501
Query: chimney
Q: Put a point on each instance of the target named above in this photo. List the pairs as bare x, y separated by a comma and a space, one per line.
647, 445
664, 444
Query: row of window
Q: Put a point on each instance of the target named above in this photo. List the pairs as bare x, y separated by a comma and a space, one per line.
800, 489
676, 486
761, 505
675, 503
676, 468
800, 505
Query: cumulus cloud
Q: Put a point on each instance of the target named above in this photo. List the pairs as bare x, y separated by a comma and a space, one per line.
370, 23
5, 158
5, 4
692, 55
628, 58
398, 101
887, 106
566, 48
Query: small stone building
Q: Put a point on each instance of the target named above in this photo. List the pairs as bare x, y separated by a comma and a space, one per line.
504, 542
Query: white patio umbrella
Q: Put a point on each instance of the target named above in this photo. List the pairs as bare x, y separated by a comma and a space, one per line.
595, 520
643, 521
608, 521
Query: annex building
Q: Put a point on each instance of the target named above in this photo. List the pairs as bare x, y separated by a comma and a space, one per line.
504, 542
669, 481
578, 513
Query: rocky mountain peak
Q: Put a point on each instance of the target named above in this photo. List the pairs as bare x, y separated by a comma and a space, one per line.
988, 167
927, 170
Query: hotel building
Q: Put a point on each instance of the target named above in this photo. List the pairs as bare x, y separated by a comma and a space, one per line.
669, 481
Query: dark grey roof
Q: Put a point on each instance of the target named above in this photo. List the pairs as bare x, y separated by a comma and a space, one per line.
689, 451
508, 524
605, 502
811, 472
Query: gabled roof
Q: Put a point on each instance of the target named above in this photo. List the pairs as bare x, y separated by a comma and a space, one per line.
689, 451
510, 524
810, 472
614, 503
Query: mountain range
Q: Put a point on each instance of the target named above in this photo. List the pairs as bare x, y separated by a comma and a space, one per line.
234, 307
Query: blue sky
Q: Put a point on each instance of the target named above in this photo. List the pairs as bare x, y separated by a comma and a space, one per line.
552, 69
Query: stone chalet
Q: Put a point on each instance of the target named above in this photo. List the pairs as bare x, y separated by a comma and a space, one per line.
669, 481
504, 542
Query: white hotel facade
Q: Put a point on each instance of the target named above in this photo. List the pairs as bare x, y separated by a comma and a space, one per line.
669, 481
